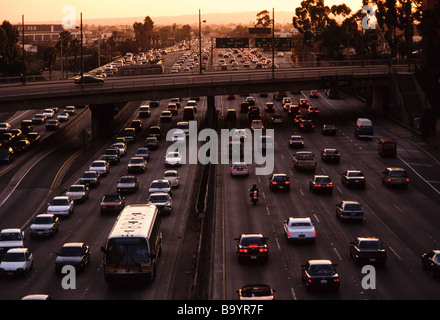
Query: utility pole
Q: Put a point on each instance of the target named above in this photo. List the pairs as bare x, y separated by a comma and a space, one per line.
200, 43
82, 57
24, 51
273, 43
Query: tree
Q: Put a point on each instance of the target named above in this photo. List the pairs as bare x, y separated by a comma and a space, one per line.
10, 60
49, 58
144, 33
263, 19
75, 47
63, 45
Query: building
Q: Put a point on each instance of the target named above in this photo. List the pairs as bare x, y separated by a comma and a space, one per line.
44, 33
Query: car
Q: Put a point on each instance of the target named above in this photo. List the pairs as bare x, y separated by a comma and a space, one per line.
122, 147
299, 229
37, 297
252, 247
22, 145
387, 147
17, 262
90, 179
293, 110
321, 183
349, 210
257, 291
176, 101
231, 115
296, 141
44, 224
137, 164
61, 206
111, 155
49, 113
75, 254
11, 238
279, 182
38, 118
306, 125
112, 203
173, 158
154, 131
254, 113
136, 124
244, 107
129, 134
304, 160
7, 155
33, 137
144, 111
183, 126
395, 177
328, 129
162, 201
5, 126
239, 169
298, 118
87, 79
431, 263
250, 100
166, 116
143, 152
6, 139
320, 274
172, 107
277, 119
330, 155
269, 107
332, 94
152, 143
314, 94
70, 110
368, 250
160, 185
26, 126
173, 177
63, 117
313, 111
127, 184
78, 192
353, 178
304, 103
257, 124
102, 167
286, 100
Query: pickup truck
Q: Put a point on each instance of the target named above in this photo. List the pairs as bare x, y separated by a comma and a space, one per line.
11, 238
304, 160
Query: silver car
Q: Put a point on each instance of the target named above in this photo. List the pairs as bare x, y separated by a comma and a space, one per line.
61, 206
44, 225
78, 192
173, 177
102, 167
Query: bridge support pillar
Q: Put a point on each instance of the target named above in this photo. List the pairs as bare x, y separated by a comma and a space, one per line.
380, 99
211, 112
102, 116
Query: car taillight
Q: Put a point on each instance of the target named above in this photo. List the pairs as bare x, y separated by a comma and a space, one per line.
287, 182
318, 185
336, 280
264, 250
253, 246
407, 180
288, 234
243, 250
314, 233
329, 185
274, 182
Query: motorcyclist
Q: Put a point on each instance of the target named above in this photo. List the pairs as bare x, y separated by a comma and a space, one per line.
253, 189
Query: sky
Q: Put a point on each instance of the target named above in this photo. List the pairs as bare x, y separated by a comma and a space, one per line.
52, 10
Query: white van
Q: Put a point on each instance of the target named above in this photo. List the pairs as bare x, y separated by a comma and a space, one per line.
11, 238
363, 128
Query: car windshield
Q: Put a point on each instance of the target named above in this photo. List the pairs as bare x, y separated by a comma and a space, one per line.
352, 206
136, 160
59, 202
355, 174
249, 241
43, 220
70, 252
98, 164
158, 198
321, 269
89, 175
159, 184
173, 155
280, 178
322, 180
300, 224
370, 245
151, 140
76, 189
330, 151
111, 198
10, 236
256, 291
398, 174
170, 174
14, 256
127, 180
304, 156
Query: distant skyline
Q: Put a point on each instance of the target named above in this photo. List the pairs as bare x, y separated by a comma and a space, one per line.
36, 11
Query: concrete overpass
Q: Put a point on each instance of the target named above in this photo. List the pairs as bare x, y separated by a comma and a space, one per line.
120, 90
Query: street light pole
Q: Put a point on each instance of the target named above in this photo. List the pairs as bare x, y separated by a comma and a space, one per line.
82, 56
24, 51
273, 43
200, 43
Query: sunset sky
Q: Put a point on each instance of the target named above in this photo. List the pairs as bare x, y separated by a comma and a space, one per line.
51, 10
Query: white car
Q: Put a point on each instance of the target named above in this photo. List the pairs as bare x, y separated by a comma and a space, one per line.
11, 238
160, 185
299, 229
239, 169
257, 124
173, 158
102, 167
44, 225
60, 206
122, 148
17, 262
78, 192
173, 177
63, 117
162, 201
49, 113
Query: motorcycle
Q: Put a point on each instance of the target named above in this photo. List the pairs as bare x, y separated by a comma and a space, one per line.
254, 197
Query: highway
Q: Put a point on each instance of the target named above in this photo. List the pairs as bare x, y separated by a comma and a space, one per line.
405, 220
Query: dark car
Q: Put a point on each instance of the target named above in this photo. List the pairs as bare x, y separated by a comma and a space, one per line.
368, 250
431, 263
136, 124
76, 254
166, 116
332, 94
154, 131
306, 125
254, 113
313, 111
26, 126
321, 183
244, 107
293, 110
22, 145
349, 210
328, 130
137, 164
87, 78
304, 103
112, 203
320, 274
314, 94
296, 141
90, 179
6, 155
172, 107
330, 155
269, 107
395, 177
152, 143
231, 115
298, 118
111, 155
52, 125
353, 178
252, 247
279, 182
387, 147
33, 137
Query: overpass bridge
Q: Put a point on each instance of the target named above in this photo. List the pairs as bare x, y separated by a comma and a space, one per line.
120, 90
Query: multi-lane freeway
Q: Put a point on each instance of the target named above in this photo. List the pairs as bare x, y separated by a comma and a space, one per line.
405, 220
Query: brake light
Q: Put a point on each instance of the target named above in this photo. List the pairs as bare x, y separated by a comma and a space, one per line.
264, 250
336, 280
329, 185
274, 182
407, 180
244, 169
288, 234
314, 233
318, 185
287, 182
253, 246
243, 250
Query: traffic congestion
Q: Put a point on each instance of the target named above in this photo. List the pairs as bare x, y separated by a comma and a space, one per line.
335, 201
